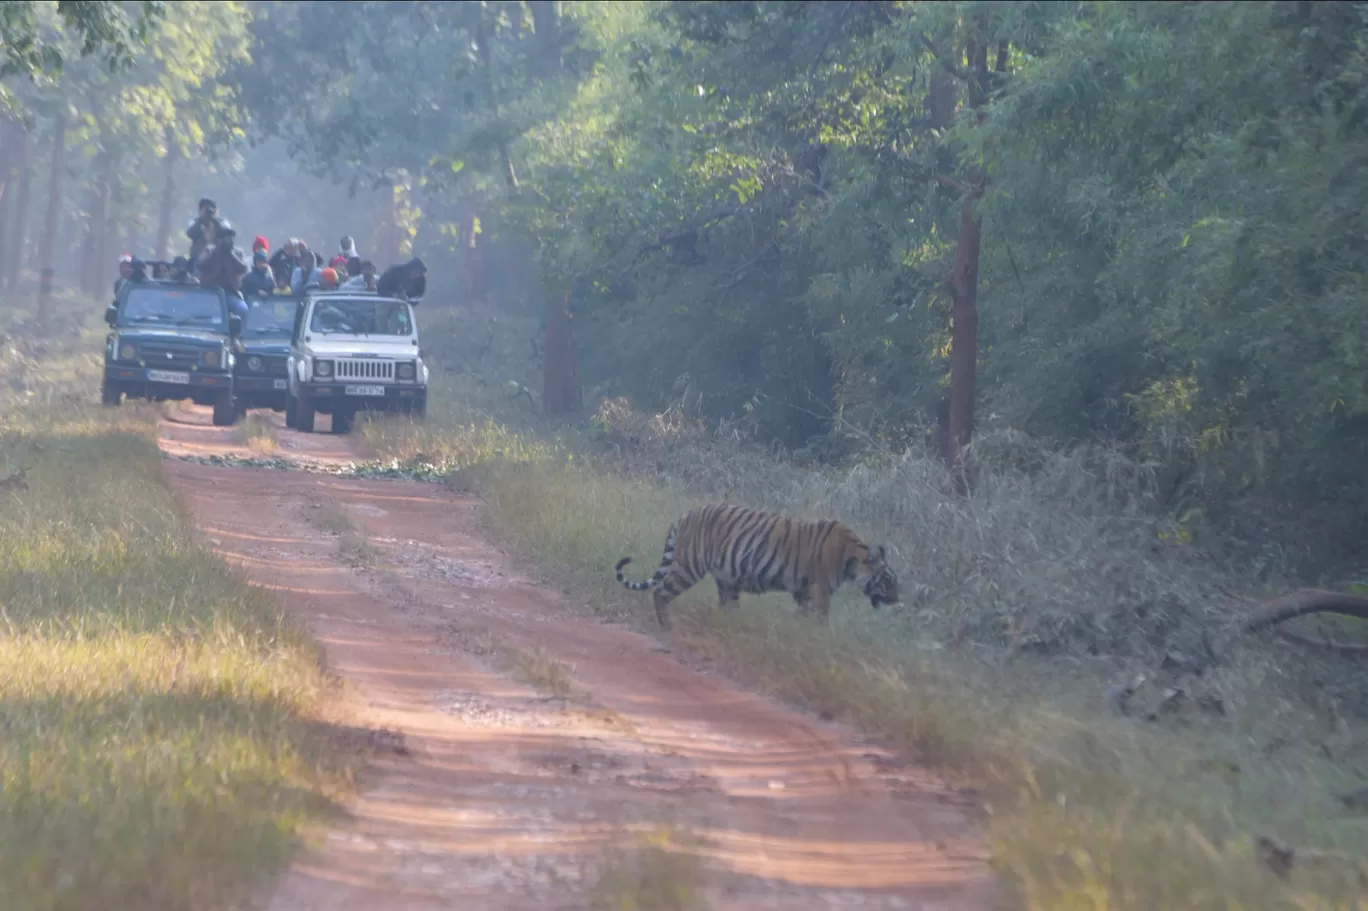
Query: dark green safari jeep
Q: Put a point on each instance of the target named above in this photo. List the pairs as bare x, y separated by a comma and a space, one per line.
259, 380
171, 341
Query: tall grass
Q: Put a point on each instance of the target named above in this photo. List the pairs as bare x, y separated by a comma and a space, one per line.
1056, 580
156, 748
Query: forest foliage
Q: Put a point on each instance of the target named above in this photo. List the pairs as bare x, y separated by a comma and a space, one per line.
755, 207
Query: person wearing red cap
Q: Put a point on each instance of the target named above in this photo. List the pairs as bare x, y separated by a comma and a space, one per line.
261, 245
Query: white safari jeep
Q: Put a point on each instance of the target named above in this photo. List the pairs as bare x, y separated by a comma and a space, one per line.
353, 351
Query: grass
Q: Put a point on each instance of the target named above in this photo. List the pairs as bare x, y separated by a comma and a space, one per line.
354, 546
158, 743
539, 670
1055, 581
256, 433
655, 871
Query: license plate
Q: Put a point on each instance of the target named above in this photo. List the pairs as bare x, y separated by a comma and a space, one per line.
279, 384
365, 390
167, 376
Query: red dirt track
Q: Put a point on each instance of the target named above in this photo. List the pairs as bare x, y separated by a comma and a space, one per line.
498, 796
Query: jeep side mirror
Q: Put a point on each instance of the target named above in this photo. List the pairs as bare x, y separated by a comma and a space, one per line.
234, 325
112, 314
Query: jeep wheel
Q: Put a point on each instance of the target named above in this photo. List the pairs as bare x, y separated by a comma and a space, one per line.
110, 394
225, 409
342, 421
290, 408
419, 412
304, 412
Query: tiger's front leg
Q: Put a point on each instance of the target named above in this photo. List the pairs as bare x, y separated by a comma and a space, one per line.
727, 596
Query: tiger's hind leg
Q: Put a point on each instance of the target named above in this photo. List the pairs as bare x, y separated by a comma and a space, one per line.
728, 596
672, 587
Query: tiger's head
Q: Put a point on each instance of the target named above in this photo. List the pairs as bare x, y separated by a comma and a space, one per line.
877, 579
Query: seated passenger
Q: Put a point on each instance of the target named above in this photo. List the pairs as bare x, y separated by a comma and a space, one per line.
285, 261
307, 274
181, 272
259, 282
405, 281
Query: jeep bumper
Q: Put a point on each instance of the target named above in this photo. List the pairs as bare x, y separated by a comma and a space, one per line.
260, 391
150, 382
366, 397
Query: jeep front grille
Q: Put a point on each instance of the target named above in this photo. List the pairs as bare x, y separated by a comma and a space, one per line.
163, 356
360, 369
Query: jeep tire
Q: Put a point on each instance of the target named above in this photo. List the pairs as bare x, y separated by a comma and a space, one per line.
225, 409
342, 419
304, 411
419, 411
290, 420
110, 394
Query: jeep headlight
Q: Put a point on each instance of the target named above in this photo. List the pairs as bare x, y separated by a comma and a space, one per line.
212, 358
406, 371
128, 352
323, 369
254, 364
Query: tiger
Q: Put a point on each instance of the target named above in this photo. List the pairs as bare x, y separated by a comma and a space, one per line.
750, 551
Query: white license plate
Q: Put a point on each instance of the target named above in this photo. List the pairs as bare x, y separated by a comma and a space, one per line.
365, 390
167, 376
279, 384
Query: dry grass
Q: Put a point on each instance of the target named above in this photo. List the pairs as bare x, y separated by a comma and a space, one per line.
540, 670
256, 433
354, 546
1054, 581
656, 871
155, 744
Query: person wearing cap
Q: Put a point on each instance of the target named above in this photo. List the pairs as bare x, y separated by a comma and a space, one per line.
347, 248
328, 279
259, 282
261, 245
338, 262
408, 280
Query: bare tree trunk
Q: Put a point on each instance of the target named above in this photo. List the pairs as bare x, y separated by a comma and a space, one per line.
13, 253
940, 109
168, 202
546, 25
486, 59
560, 371
48, 251
103, 224
12, 157
963, 286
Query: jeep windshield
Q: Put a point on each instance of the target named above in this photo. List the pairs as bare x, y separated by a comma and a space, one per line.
268, 318
361, 316
186, 306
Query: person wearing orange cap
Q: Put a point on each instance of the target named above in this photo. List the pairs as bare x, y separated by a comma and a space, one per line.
329, 280
261, 245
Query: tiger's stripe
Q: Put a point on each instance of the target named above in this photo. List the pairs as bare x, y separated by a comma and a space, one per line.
747, 550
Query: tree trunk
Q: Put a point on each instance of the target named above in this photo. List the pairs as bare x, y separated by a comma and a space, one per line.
963, 286
546, 25
47, 253
13, 254
12, 157
168, 202
103, 223
940, 110
560, 371
491, 98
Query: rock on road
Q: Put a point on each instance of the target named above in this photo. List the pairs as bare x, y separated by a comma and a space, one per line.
485, 793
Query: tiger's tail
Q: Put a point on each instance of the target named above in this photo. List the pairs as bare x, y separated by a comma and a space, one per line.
663, 570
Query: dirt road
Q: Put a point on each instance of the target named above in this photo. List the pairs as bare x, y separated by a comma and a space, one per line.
499, 794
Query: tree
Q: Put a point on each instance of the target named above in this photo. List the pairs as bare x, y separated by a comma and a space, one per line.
109, 29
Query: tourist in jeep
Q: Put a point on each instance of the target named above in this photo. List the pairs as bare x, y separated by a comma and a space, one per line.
407, 281
259, 282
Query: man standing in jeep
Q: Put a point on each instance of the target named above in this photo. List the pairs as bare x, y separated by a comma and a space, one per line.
407, 281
